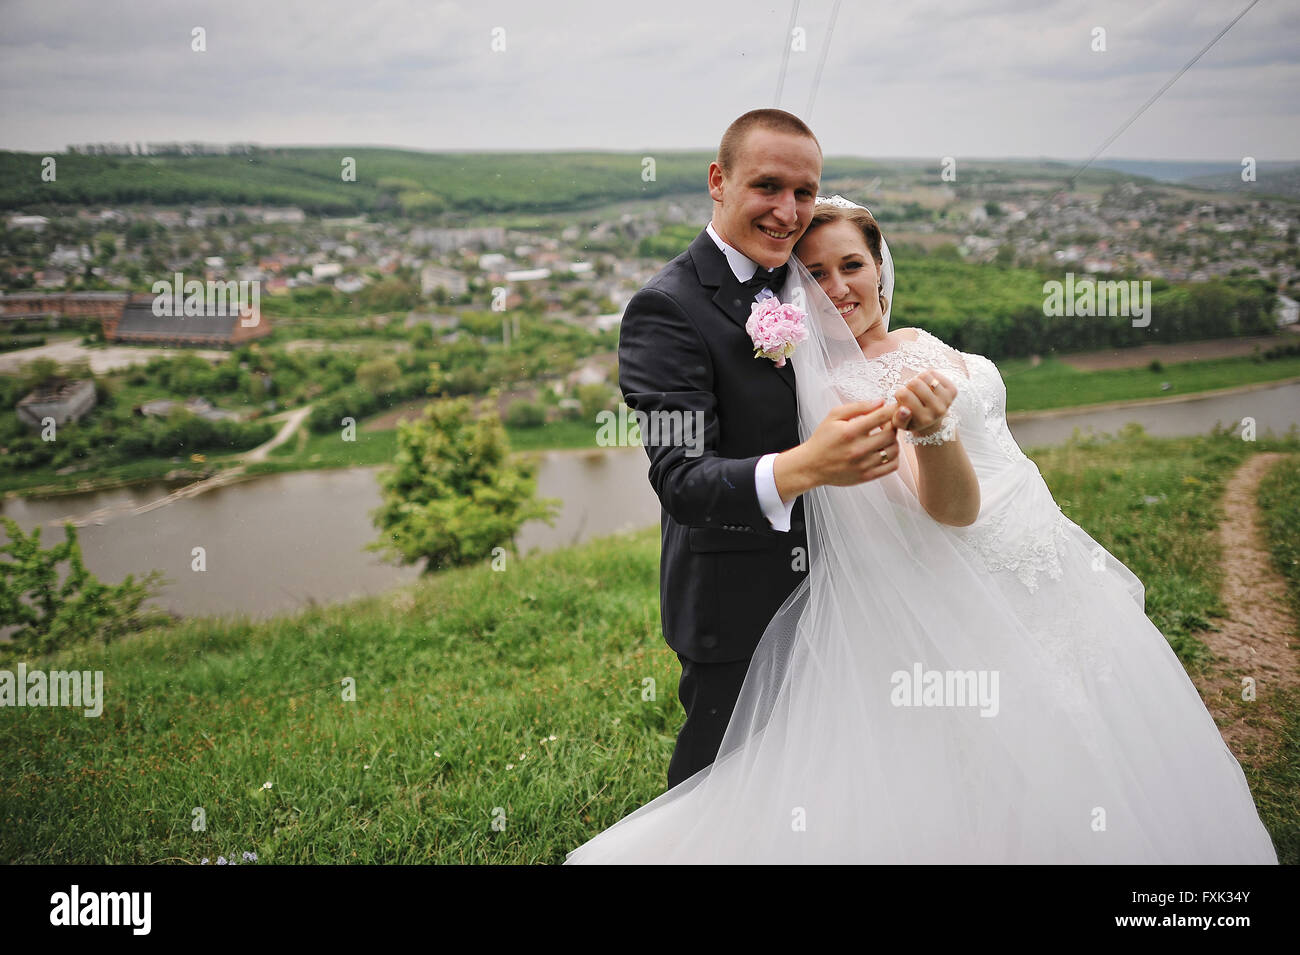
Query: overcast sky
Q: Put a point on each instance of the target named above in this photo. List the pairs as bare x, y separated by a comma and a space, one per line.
924, 78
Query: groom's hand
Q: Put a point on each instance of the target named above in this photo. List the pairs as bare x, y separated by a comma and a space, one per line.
853, 444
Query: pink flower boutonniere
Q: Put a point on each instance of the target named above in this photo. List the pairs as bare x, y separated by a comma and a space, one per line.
775, 328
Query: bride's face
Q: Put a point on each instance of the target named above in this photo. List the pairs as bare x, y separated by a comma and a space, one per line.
837, 256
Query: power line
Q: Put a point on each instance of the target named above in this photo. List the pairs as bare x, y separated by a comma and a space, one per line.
826, 45
785, 53
1187, 66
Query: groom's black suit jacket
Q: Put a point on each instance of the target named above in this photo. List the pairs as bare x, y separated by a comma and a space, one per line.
724, 571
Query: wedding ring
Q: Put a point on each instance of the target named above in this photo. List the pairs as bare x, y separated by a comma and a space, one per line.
884, 457
934, 383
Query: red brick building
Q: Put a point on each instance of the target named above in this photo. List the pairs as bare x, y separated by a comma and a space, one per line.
17, 305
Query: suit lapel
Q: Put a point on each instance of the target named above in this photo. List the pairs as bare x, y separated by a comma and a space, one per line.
732, 298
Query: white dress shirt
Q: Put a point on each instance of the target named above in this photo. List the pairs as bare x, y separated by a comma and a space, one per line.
775, 510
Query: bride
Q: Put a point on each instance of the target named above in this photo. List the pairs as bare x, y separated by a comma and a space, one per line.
964, 675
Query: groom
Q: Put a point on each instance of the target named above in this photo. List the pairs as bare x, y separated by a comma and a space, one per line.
734, 540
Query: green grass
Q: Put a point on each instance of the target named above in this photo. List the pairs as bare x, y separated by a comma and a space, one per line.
1154, 504
461, 681
473, 677
1279, 502
305, 450
1054, 384
1277, 784
96, 478
555, 434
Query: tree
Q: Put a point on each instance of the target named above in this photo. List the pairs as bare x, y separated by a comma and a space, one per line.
390, 294
595, 398
421, 335
51, 616
453, 495
379, 375
525, 414
37, 371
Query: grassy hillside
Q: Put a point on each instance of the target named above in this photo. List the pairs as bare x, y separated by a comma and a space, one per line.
1271, 179
516, 696
414, 183
1277, 785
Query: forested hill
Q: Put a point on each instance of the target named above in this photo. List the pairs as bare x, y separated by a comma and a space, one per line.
414, 184
386, 179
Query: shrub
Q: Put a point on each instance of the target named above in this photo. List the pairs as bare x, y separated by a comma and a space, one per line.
51, 616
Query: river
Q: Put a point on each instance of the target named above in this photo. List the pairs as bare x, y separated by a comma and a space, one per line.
273, 544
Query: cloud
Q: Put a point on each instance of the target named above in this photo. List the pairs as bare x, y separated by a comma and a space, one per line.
925, 78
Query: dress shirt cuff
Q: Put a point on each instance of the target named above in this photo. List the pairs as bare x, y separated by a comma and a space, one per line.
775, 510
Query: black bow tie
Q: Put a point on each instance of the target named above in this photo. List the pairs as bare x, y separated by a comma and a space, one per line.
764, 279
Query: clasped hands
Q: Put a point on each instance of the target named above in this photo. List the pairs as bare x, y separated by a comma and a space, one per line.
858, 442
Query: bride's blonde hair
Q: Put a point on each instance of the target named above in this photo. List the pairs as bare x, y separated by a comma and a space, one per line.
866, 224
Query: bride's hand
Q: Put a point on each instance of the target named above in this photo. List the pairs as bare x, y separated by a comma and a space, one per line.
923, 401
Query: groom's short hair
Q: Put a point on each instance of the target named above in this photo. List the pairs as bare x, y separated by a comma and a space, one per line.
774, 119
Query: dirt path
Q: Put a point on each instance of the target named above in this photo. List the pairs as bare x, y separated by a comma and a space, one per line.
1258, 637
1139, 355
291, 420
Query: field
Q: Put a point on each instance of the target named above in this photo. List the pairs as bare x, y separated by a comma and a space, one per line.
513, 697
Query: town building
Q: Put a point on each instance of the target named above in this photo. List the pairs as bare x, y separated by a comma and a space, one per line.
136, 324
59, 399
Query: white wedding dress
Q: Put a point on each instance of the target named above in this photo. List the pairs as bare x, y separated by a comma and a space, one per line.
930, 694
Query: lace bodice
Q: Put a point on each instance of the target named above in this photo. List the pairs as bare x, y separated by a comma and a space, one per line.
1020, 528
879, 376
981, 398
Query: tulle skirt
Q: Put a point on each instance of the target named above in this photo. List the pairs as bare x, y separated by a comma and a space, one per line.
916, 701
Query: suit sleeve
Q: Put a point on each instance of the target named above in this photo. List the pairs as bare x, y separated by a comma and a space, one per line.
665, 367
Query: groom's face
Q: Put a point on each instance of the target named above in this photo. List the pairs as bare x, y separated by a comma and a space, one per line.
763, 204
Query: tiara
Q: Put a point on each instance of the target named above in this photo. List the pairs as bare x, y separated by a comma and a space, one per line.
838, 201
